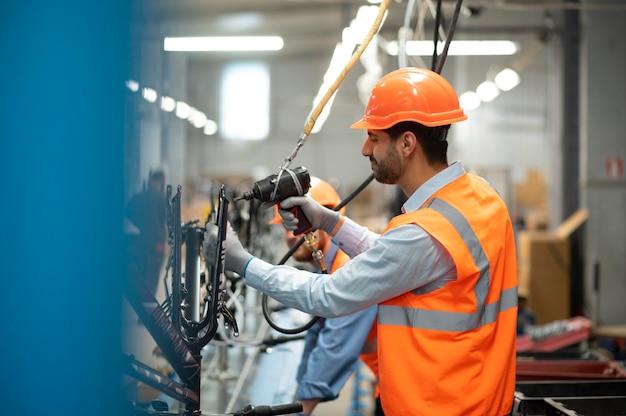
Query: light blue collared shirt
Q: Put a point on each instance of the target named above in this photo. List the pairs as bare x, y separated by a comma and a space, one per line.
382, 266
331, 351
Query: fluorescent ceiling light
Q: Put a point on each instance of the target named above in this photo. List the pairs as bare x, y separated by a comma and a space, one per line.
149, 94
132, 85
351, 36
198, 119
457, 47
210, 127
182, 109
168, 104
487, 91
507, 79
360, 25
223, 43
469, 101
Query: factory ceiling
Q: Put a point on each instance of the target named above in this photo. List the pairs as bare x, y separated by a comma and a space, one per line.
312, 27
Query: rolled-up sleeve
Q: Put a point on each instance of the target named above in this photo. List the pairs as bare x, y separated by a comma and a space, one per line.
334, 351
399, 261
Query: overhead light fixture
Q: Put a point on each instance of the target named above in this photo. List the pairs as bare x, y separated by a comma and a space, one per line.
469, 101
210, 127
149, 94
182, 109
351, 36
487, 91
197, 118
132, 85
507, 79
457, 47
168, 104
223, 43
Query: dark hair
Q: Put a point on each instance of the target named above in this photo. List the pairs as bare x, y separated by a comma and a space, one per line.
432, 139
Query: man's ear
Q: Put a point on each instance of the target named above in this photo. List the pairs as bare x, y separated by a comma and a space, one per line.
408, 142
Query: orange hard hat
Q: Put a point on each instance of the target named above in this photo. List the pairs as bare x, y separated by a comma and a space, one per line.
411, 94
322, 192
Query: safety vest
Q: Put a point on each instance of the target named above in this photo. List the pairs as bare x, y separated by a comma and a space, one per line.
339, 258
451, 351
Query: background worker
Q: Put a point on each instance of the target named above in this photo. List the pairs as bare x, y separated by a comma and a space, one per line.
443, 273
146, 210
332, 346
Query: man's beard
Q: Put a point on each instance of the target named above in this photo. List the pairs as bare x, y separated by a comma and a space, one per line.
388, 169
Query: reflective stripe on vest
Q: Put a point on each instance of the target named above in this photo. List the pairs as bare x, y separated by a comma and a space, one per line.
454, 321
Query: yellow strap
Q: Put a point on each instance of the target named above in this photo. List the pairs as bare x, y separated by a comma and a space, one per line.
308, 126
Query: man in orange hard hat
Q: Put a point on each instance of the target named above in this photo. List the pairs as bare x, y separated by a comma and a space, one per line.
332, 346
443, 273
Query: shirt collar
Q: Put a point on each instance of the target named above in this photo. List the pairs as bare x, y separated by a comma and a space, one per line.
432, 185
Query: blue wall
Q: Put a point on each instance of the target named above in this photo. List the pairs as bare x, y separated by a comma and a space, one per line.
61, 146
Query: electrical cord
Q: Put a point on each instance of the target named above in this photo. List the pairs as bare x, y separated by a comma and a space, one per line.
436, 65
449, 36
433, 63
310, 123
264, 300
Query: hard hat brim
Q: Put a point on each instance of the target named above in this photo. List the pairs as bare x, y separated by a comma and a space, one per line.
364, 123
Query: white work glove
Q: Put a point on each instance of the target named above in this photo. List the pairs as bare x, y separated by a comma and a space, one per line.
236, 257
320, 217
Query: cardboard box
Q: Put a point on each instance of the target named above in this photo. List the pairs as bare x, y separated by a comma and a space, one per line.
544, 269
532, 192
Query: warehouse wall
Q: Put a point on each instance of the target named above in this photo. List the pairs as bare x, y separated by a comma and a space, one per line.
173, 129
603, 137
512, 130
155, 139
508, 132
334, 152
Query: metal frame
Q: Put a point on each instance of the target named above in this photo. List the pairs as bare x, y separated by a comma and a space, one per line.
178, 336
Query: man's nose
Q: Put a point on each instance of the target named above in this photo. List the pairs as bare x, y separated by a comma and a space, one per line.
366, 150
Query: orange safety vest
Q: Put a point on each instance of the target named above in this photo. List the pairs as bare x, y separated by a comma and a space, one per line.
340, 259
452, 351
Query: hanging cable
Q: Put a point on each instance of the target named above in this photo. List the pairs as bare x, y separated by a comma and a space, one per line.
436, 64
433, 62
312, 118
317, 110
406, 33
403, 34
450, 35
